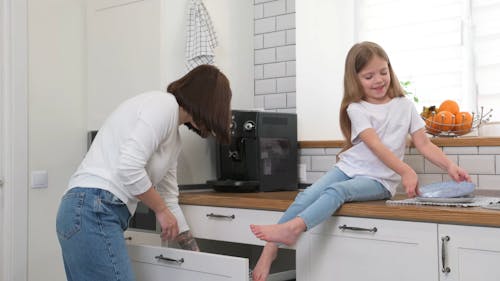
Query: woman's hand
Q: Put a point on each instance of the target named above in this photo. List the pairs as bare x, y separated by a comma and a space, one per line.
168, 223
409, 180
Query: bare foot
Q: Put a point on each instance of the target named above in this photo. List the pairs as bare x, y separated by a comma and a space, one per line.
261, 270
286, 233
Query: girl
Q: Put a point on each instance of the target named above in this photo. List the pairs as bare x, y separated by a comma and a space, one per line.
132, 158
375, 119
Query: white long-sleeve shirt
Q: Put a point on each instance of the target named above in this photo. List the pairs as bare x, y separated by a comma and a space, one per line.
137, 147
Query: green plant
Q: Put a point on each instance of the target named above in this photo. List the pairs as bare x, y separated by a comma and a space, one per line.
406, 89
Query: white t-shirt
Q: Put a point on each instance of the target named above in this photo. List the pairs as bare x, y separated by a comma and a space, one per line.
137, 147
392, 121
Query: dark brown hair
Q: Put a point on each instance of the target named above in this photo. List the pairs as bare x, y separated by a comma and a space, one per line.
204, 93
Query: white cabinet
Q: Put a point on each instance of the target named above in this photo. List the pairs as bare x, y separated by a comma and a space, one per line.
470, 253
133, 237
344, 248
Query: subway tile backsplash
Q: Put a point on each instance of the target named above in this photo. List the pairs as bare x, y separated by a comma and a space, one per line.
482, 163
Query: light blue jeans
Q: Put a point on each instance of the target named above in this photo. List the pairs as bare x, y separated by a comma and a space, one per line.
90, 225
320, 200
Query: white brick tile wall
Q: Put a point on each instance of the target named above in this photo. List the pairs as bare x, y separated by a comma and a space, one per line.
285, 53
290, 36
286, 84
274, 54
274, 39
305, 160
322, 163
274, 8
290, 68
265, 56
258, 102
258, 41
259, 71
477, 164
290, 6
416, 162
482, 164
272, 70
265, 86
290, 100
258, 11
489, 150
489, 182
460, 150
312, 151
265, 25
285, 22
313, 176
275, 101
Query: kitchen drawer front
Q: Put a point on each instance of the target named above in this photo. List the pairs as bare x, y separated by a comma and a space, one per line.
227, 224
158, 263
376, 229
142, 238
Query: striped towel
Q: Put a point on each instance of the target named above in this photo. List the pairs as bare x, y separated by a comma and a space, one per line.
201, 39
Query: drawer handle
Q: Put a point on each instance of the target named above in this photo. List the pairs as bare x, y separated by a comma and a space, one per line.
161, 257
128, 238
445, 269
212, 215
354, 228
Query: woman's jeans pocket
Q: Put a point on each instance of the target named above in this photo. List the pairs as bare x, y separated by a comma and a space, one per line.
69, 215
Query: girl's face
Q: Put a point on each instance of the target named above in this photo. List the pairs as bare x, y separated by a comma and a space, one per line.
375, 80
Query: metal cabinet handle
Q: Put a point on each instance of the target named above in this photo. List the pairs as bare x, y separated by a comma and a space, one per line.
128, 238
445, 269
345, 227
161, 257
212, 215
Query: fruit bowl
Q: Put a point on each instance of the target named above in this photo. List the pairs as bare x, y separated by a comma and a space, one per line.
445, 126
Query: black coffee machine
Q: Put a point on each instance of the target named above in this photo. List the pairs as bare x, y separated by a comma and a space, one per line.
262, 155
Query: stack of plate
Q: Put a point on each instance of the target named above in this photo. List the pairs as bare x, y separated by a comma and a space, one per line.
447, 192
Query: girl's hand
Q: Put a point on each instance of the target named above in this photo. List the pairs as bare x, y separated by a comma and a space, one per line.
458, 174
168, 223
409, 180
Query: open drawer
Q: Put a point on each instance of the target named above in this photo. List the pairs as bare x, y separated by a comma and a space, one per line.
152, 263
218, 260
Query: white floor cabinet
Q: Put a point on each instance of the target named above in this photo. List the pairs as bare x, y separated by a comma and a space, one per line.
357, 249
469, 253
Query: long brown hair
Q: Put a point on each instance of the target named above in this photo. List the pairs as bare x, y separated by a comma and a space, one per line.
357, 58
204, 93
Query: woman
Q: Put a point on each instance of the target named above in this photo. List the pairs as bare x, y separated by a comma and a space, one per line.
132, 158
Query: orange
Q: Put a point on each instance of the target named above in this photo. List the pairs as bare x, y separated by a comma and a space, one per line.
445, 120
449, 105
463, 123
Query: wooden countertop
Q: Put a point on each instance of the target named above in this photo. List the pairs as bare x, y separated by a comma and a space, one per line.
279, 201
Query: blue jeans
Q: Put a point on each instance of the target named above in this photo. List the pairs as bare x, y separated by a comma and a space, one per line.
90, 225
320, 200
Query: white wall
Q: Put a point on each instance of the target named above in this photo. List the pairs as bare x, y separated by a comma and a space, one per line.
56, 121
324, 35
140, 45
60, 113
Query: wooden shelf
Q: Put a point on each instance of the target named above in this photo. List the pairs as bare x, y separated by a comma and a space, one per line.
460, 141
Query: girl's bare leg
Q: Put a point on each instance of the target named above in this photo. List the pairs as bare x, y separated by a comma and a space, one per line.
287, 233
268, 255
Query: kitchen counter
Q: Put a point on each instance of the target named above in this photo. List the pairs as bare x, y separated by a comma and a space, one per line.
279, 201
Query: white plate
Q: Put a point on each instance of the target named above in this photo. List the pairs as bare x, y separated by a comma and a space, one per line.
466, 199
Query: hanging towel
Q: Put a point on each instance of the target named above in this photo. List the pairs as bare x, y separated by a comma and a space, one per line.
201, 39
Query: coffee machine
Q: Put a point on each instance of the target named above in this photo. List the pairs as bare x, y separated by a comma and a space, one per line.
262, 155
